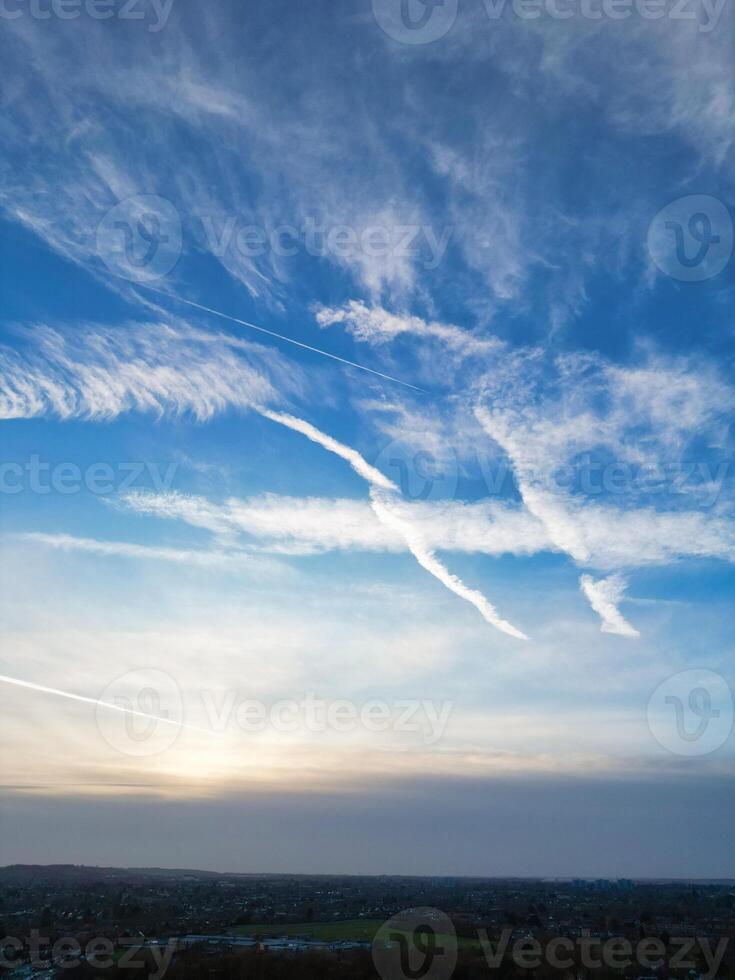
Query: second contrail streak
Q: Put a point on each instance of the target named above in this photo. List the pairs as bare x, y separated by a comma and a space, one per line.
102, 704
278, 336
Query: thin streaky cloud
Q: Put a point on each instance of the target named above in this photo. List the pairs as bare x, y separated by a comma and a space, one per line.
617, 539
428, 561
280, 336
124, 549
376, 326
358, 463
42, 689
98, 372
382, 491
545, 506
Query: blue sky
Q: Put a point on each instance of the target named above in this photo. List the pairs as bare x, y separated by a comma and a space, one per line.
525, 223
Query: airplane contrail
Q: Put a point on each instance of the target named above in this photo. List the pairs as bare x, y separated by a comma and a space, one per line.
279, 336
428, 561
382, 491
102, 704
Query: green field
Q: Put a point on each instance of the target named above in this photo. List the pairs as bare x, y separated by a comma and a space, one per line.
362, 930
359, 929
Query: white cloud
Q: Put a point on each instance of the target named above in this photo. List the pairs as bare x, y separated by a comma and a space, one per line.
124, 549
492, 179
216, 127
351, 456
544, 416
314, 524
604, 596
383, 492
375, 325
427, 559
283, 524
614, 538
99, 372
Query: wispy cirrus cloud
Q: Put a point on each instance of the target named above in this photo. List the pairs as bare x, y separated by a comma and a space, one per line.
541, 415
383, 493
99, 372
321, 524
225, 126
376, 325
584, 414
125, 549
104, 374
424, 555
360, 465
650, 415
315, 525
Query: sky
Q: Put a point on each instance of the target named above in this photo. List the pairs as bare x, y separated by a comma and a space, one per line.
366, 457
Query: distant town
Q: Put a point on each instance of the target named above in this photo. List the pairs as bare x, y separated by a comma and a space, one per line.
87, 922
